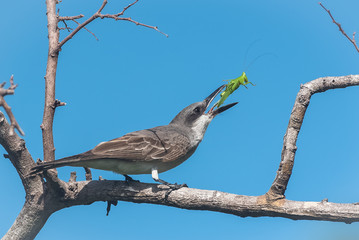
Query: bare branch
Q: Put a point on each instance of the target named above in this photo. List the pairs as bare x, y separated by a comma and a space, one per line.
88, 174
98, 14
66, 27
133, 21
88, 192
125, 8
3, 103
306, 91
66, 18
50, 80
102, 6
352, 40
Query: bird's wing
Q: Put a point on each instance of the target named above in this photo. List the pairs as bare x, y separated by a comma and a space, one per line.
144, 145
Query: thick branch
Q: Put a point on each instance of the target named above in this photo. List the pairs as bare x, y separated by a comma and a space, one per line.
306, 91
352, 40
18, 155
50, 79
28, 223
87, 192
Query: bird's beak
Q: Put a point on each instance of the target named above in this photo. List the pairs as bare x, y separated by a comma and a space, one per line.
222, 109
213, 95
210, 98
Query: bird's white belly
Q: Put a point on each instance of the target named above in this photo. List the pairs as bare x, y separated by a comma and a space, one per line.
132, 168
118, 166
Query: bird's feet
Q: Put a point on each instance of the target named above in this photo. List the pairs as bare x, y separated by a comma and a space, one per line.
172, 186
176, 186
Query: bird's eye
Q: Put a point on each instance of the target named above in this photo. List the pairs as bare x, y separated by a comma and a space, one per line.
196, 110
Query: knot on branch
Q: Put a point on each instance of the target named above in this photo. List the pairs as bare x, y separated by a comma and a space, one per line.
271, 197
57, 103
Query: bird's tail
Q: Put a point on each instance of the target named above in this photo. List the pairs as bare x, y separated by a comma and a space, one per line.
43, 166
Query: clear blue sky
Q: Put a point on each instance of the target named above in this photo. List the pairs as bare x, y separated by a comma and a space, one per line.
135, 78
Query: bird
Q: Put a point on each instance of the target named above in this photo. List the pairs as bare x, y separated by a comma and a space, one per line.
149, 151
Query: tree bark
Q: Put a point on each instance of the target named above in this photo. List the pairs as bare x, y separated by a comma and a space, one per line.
50, 80
28, 223
87, 192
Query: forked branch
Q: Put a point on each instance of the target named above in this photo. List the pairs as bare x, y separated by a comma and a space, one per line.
9, 91
306, 91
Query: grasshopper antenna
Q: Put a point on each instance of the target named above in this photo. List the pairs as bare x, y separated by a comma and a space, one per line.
247, 50
256, 58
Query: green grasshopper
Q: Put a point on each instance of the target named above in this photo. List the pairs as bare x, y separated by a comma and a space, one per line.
232, 86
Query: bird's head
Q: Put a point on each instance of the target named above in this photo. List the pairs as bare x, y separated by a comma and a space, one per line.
195, 116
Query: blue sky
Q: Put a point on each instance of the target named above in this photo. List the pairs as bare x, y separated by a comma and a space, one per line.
135, 78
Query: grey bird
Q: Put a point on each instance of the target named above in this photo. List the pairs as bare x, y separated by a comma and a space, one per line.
149, 151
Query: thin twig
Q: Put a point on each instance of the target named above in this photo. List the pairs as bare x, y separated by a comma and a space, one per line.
10, 91
133, 21
352, 40
86, 29
66, 27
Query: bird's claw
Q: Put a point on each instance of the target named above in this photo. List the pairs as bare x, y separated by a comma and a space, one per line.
176, 186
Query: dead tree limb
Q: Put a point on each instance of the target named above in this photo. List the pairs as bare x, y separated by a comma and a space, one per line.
88, 192
306, 91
